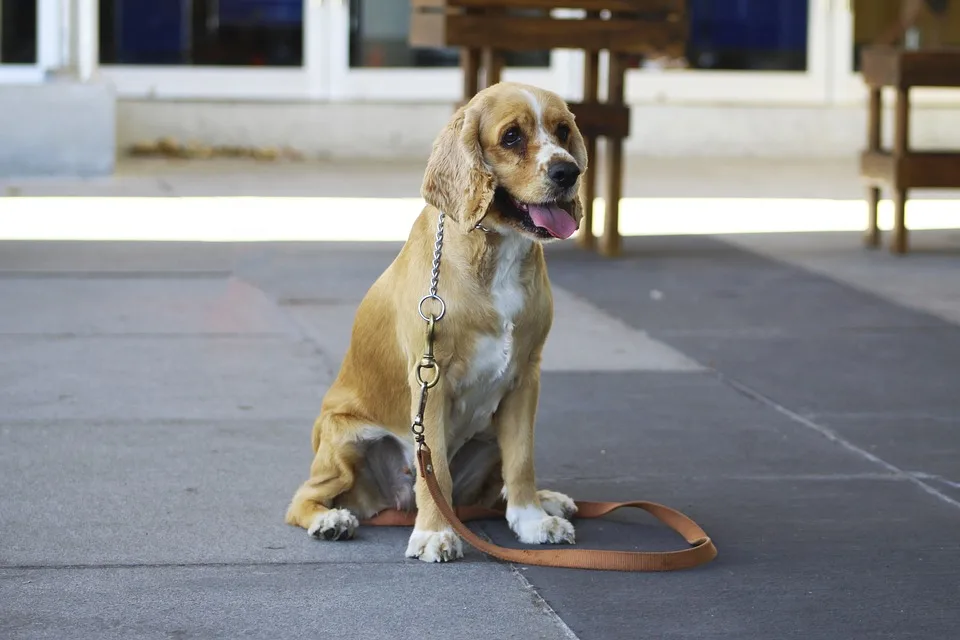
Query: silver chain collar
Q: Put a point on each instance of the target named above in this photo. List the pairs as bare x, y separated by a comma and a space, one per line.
435, 275
437, 250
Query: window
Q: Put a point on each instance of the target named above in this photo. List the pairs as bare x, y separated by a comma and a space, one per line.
378, 38
748, 35
744, 51
251, 33
18, 32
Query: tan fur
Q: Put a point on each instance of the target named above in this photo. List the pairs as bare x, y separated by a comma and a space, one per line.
376, 387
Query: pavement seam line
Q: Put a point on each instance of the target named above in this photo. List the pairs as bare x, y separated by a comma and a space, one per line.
833, 436
932, 476
527, 586
329, 364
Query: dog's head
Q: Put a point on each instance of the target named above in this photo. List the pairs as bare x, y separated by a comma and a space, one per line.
511, 157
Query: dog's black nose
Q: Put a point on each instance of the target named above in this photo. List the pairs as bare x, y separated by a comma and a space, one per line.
563, 174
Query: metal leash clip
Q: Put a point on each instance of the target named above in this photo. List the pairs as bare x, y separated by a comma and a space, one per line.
428, 362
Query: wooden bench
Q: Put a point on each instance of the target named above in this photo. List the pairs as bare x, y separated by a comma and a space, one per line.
902, 168
486, 29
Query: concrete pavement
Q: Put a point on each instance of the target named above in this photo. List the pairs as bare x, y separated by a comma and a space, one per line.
793, 393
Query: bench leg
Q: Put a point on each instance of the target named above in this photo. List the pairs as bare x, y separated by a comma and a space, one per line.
493, 62
899, 243
872, 237
611, 243
901, 147
588, 193
470, 65
874, 120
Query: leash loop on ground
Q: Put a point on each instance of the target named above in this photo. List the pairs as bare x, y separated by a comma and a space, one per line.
702, 549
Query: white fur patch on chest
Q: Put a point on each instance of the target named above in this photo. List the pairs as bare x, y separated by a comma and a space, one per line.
491, 369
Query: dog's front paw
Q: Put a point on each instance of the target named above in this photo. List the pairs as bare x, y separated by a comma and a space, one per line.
335, 524
556, 503
435, 546
536, 526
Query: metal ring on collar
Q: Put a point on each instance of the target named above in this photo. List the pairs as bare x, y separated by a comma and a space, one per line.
443, 306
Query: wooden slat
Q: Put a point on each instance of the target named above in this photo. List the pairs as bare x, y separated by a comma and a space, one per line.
923, 170
597, 119
892, 67
536, 34
930, 69
930, 170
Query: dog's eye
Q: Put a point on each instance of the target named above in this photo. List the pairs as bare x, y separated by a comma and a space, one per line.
511, 137
563, 132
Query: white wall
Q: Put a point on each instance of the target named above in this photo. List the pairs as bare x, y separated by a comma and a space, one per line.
357, 130
57, 129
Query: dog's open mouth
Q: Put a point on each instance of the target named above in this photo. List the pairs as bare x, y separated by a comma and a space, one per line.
545, 219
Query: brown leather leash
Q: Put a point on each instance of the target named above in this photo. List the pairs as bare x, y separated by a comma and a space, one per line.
701, 551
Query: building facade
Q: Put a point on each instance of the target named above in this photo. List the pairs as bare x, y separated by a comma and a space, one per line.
335, 78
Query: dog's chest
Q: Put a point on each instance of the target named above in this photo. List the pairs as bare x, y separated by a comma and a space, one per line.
491, 369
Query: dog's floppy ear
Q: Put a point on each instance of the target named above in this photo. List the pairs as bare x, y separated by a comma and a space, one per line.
457, 181
579, 152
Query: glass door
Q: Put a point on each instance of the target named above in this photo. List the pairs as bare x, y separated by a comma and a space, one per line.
239, 49
19, 34
743, 51
371, 60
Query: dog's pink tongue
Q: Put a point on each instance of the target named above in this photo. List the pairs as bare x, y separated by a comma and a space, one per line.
552, 218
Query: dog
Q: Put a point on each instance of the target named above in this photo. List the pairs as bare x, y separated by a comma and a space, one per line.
505, 171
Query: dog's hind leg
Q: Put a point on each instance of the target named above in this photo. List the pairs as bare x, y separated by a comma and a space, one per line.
332, 473
476, 474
